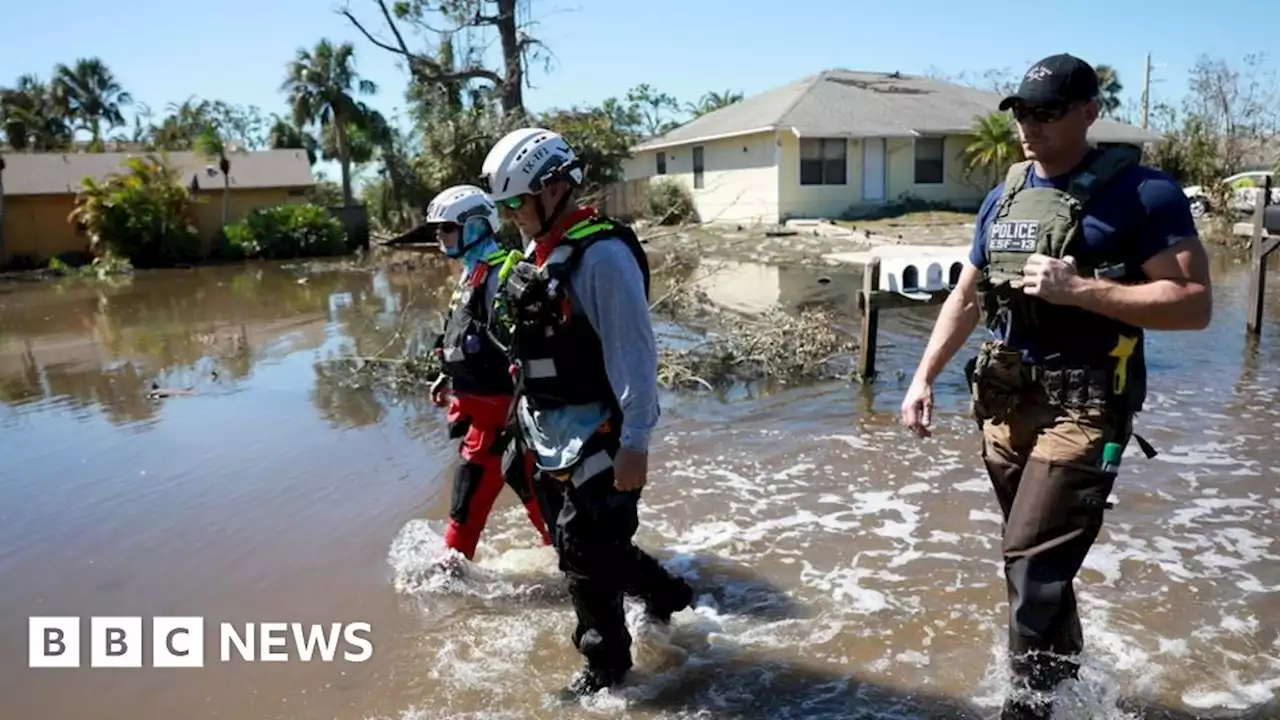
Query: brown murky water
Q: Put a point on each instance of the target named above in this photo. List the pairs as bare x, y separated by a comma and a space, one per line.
844, 569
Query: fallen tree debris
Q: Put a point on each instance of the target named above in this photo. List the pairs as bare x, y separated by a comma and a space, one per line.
712, 348
777, 348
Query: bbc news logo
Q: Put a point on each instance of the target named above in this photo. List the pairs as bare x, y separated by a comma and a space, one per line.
178, 642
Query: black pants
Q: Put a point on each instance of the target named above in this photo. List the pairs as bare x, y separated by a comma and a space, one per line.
591, 525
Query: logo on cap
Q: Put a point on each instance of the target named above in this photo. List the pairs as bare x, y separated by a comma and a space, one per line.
1039, 72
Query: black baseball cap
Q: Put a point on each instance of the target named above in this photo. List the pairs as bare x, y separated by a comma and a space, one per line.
1056, 80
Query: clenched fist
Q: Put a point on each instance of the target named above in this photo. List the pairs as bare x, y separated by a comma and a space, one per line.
1050, 279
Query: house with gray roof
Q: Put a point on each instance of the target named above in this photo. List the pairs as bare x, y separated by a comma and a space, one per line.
833, 144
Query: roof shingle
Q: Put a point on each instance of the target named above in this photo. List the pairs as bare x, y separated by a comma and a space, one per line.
62, 174
846, 103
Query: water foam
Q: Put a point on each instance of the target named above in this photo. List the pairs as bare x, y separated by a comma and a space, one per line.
848, 566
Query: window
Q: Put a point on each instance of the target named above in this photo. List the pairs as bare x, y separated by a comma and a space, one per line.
824, 161
662, 163
697, 167
929, 153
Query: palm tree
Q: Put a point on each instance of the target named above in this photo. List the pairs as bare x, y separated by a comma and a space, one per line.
1109, 88
184, 122
33, 116
284, 135
143, 129
92, 96
994, 145
211, 145
321, 84
713, 101
366, 133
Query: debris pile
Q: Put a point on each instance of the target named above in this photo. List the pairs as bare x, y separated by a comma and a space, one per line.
776, 348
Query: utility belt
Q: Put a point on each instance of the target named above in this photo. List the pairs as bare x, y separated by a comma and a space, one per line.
999, 380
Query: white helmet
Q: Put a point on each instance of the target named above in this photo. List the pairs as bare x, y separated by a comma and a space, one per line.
460, 203
468, 207
525, 160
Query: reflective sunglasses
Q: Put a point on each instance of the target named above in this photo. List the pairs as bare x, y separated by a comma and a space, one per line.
513, 203
1043, 114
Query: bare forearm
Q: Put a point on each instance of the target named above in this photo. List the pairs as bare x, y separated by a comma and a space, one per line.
956, 321
1155, 305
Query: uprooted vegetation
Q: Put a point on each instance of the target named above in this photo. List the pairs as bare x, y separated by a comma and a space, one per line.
774, 349
702, 346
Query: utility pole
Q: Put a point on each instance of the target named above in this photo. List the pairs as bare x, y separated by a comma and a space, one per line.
1146, 92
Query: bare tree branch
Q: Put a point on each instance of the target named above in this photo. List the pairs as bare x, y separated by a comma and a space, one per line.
399, 51
422, 68
392, 24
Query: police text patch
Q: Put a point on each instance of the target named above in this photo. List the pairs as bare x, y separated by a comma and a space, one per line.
1013, 236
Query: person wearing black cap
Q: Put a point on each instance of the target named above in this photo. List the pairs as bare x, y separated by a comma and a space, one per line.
1074, 255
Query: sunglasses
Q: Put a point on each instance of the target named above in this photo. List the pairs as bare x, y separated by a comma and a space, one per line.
1042, 114
448, 227
513, 203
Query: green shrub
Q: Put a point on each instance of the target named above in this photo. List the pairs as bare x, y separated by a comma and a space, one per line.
99, 267
284, 231
670, 202
142, 214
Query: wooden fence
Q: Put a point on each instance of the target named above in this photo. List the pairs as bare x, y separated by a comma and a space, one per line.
625, 200
355, 220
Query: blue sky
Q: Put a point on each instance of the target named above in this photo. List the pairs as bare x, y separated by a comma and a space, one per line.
164, 51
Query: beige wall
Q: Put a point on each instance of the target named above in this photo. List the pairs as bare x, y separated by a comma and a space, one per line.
832, 201
956, 189
740, 177
824, 201
208, 209
756, 178
37, 225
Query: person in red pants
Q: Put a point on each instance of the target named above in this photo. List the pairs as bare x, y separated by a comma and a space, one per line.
475, 381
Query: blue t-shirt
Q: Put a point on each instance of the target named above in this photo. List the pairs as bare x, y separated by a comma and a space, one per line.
1141, 207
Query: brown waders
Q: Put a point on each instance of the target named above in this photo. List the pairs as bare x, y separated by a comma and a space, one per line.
1044, 461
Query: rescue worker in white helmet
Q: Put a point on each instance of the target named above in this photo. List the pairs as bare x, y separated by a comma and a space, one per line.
583, 343
475, 379
1076, 253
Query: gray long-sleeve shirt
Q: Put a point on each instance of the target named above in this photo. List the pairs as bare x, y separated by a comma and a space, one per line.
607, 288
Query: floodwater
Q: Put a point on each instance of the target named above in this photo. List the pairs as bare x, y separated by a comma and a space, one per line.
843, 568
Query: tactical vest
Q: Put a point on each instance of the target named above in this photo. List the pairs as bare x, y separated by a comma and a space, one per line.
470, 358
557, 351
1050, 221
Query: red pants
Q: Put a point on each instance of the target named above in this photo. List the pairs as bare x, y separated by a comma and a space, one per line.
479, 478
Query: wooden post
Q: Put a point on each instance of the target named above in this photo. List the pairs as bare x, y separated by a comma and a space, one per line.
870, 320
2, 252
1261, 247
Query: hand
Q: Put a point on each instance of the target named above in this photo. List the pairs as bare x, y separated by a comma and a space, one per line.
438, 390
630, 469
917, 408
1050, 279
